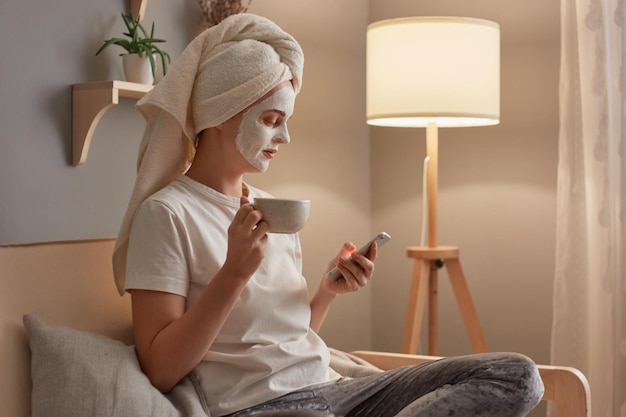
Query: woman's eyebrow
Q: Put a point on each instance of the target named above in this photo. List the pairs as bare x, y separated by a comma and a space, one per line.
282, 113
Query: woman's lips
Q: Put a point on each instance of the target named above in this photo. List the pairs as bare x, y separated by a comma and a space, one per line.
269, 153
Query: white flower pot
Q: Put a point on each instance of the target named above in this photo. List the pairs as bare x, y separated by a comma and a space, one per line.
137, 69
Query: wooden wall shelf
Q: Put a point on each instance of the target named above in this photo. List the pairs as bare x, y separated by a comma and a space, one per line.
89, 103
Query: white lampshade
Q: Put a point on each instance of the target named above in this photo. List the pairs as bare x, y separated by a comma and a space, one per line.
442, 70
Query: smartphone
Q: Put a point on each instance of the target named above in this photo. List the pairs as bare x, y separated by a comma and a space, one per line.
380, 240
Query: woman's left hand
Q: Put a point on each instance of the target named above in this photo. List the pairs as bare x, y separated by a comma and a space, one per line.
356, 269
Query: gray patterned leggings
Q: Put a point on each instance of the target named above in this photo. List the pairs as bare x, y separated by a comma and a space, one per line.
480, 385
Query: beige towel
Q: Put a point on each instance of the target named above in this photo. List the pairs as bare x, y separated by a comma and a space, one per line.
221, 72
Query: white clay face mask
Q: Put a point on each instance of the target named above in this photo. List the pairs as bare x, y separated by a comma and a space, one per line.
257, 140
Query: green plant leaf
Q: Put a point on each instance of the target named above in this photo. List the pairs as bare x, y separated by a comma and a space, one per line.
139, 42
152, 64
115, 41
165, 59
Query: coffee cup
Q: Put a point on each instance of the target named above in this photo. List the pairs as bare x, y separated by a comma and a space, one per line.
283, 215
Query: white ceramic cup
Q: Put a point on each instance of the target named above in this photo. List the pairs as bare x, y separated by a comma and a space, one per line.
283, 215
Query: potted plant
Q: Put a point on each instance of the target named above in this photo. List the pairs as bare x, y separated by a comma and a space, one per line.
140, 47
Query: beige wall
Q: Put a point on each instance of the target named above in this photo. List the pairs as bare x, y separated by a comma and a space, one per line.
497, 184
497, 189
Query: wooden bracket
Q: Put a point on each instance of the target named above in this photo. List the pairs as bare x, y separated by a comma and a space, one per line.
89, 103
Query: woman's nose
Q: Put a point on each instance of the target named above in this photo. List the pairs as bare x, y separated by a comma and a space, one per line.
283, 137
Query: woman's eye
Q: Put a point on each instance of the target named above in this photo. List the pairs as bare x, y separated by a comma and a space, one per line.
272, 121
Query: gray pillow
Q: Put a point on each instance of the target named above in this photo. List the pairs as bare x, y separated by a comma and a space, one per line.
76, 373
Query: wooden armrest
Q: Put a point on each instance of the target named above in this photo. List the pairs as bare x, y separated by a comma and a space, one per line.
566, 386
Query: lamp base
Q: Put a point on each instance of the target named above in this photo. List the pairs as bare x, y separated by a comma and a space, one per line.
427, 261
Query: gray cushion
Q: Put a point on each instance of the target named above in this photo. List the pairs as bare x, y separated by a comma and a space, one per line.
76, 373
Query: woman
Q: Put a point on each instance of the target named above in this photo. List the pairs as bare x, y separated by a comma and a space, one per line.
216, 297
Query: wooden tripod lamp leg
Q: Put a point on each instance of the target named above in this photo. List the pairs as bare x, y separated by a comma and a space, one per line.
466, 305
433, 305
417, 306
424, 289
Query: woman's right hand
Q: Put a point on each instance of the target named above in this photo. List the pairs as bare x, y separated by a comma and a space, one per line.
247, 239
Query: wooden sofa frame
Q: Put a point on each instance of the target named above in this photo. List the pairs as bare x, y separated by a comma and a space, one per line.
70, 283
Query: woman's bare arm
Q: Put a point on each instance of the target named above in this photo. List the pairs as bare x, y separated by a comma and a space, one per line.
170, 341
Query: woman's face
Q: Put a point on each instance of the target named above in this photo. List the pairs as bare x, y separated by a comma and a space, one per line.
264, 127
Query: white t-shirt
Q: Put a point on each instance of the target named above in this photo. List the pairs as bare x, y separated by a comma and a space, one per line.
178, 242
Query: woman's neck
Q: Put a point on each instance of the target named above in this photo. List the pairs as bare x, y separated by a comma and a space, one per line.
231, 186
216, 167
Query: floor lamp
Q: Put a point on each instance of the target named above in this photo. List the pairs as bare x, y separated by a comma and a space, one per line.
434, 72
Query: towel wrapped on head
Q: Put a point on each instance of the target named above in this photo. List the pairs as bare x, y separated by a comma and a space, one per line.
222, 71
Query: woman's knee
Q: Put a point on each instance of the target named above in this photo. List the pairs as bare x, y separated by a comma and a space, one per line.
523, 376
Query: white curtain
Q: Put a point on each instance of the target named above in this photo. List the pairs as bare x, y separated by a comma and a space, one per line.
589, 290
